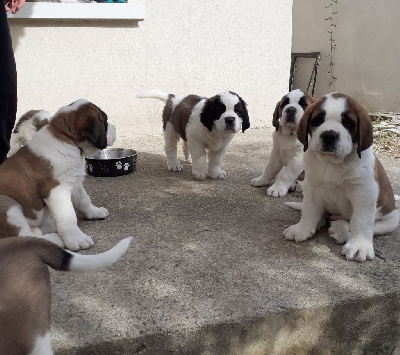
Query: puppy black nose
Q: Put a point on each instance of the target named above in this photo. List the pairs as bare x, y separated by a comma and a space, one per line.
229, 121
329, 138
291, 110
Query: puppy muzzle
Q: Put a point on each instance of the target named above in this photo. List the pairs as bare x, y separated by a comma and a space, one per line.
230, 123
329, 140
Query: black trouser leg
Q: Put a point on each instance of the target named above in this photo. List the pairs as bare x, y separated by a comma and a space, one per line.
8, 86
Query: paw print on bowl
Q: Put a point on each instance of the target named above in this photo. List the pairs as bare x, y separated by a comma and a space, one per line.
118, 165
126, 166
90, 166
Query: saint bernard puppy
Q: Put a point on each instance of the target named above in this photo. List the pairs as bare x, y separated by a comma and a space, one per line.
41, 184
343, 178
29, 123
206, 125
285, 163
25, 295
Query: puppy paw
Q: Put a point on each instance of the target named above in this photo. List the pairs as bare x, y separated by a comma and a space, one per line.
297, 233
260, 181
339, 231
77, 241
175, 167
277, 190
97, 213
217, 174
359, 250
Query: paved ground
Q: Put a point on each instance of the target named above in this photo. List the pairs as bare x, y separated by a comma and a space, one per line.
208, 271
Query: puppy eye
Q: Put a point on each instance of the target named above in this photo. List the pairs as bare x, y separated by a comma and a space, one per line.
303, 103
347, 122
284, 102
318, 120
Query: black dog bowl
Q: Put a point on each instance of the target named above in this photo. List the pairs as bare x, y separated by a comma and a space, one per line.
112, 162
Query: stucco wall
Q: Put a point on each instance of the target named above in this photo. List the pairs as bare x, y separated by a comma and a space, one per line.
202, 47
367, 55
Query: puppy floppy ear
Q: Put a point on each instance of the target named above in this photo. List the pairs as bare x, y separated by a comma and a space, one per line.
243, 113
364, 133
275, 116
303, 128
91, 123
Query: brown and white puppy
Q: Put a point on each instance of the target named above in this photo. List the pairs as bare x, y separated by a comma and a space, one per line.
206, 125
29, 123
41, 185
343, 178
285, 164
25, 295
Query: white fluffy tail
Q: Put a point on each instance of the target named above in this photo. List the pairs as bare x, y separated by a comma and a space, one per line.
295, 205
89, 263
153, 94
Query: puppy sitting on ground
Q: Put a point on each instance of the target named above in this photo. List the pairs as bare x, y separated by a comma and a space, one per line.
285, 163
29, 123
25, 295
206, 125
41, 184
343, 178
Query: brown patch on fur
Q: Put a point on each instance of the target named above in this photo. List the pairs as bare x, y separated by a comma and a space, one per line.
277, 113
167, 112
87, 122
25, 291
181, 113
386, 197
363, 133
28, 179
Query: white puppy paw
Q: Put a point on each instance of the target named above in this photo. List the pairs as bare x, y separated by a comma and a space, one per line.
260, 181
277, 190
359, 250
217, 174
175, 167
298, 233
339, 231
199, 173
96, 213
77, 241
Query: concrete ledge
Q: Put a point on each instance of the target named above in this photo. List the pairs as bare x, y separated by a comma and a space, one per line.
209, 272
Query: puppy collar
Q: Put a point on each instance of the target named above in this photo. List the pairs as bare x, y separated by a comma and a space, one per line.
62, 132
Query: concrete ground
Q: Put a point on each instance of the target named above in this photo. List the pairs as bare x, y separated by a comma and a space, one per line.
209, 272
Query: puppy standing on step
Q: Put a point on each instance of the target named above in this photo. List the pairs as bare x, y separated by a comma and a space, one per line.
41, 184
285, 163
206, 125
343, 178
25, 289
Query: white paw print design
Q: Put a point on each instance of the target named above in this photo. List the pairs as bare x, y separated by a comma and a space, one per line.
90, 166
126, 166
118, 164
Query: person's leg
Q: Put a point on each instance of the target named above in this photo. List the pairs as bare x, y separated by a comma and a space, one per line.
8, 86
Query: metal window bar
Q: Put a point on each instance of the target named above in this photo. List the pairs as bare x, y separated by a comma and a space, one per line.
314, 73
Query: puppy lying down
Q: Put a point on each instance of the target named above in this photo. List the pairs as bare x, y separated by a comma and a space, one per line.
25, 289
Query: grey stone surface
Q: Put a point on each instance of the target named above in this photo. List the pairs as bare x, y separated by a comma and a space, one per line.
209, 272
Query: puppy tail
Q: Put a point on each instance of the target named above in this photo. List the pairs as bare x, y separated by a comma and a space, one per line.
153, 94
295, 205
65, 260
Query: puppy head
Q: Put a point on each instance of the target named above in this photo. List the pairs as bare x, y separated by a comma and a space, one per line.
225, 112
337, 125
289, 109
86, 125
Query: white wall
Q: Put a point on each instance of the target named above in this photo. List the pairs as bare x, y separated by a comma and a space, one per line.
367, 55
201, 47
